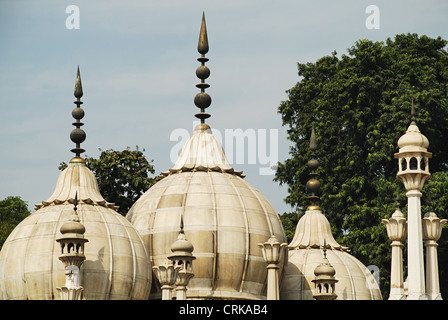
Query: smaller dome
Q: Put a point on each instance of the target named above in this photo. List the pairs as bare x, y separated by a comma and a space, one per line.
182, 245
324, 269
413, 140
72, 227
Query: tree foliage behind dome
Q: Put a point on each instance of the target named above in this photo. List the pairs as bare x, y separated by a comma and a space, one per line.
360, 105
12, 210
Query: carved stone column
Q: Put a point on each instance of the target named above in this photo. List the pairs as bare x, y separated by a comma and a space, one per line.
432, 230
396, 227
272, 253
166, 274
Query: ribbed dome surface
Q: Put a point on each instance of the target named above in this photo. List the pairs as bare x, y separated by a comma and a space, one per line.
312, 233
355, 280
116, 265
224, 218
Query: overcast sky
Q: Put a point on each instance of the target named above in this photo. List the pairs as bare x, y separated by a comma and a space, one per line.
138, 62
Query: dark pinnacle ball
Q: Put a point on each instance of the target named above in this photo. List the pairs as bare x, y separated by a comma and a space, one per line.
202, 72
313, 185
202, 100
78, 113
77, 135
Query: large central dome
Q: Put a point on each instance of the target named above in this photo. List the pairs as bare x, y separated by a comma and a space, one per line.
224, 217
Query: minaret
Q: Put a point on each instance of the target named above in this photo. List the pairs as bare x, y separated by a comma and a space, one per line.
432, 230
396, 227
413, 171
72, 255
78, 135
202, 100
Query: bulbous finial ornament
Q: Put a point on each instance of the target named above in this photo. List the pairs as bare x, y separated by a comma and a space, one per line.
202, 100
313, 185
78, 135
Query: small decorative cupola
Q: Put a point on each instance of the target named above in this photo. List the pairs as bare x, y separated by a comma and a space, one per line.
182, 256
325, 282
413, 157
72, 242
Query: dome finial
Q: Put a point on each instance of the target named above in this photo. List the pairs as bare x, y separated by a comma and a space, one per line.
78, 135
313, 185
202, 100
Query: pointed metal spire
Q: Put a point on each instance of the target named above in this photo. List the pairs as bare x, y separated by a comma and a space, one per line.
325, 248
202, 100
75, 203
203, 39
78, 85
78, 135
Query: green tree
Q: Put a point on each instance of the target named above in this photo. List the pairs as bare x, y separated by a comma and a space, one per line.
360, 105
12, 211
123, 176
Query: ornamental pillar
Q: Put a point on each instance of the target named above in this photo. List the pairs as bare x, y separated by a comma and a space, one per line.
432, 230
396, 227
166, 274
272, 253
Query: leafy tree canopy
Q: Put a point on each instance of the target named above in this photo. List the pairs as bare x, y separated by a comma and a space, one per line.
12, 211
123, 176
360, 105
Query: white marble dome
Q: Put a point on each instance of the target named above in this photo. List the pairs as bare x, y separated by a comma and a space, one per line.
355, 281
413, 140
224, 218
116, 265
